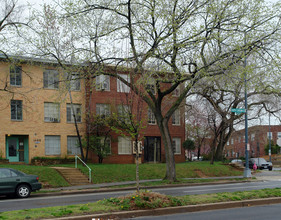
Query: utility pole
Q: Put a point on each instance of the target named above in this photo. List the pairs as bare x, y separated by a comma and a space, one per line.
247, 171
269, 139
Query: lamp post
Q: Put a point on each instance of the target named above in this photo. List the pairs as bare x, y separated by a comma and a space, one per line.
269, 139
247, 171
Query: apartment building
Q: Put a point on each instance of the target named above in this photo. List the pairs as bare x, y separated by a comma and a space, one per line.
36, 118
258, 137
110, 94
36, 114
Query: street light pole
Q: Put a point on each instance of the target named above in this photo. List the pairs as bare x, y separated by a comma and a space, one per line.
247, 171
269, 139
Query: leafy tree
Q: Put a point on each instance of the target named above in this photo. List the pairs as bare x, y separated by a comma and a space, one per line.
275, 148
171, 43
189, 145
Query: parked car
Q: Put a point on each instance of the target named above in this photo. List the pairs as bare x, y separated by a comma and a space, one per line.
261, 163
14, 182
237, 161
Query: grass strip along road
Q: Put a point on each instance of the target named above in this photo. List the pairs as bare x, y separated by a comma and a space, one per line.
137, 201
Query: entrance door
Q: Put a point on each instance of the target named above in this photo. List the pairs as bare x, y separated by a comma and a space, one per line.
12, 149
152, 149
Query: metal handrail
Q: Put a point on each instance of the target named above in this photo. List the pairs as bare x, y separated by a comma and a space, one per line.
90, 171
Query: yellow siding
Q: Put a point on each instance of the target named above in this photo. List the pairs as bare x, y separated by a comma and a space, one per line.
33, 96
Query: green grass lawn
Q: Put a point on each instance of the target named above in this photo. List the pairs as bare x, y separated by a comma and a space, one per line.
104, 173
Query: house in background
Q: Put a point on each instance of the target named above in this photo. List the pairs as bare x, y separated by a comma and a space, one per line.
258, 137
37, 118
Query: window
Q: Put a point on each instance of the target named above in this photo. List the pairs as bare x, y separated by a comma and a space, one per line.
15, 75
122, 87
232, 141
124, 113
124, 145
51, 79
106, 144
16, 110
103, 109
151, 117
177, 145
69, 113
252, 137
279, 134
52, 145
51, 112
227, 143
176, 117
73, 145
103, 83
75, 84
269, 135
150, 86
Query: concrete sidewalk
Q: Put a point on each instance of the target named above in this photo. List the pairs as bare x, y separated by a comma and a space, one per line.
107, 185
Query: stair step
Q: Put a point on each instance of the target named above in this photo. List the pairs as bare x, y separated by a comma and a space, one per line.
73, 176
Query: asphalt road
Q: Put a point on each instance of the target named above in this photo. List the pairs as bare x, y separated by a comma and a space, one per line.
271, 212
39, 202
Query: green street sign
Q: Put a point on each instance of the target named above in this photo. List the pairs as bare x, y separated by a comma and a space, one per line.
238, 110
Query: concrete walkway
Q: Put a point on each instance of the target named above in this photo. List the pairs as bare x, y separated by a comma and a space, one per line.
104, 185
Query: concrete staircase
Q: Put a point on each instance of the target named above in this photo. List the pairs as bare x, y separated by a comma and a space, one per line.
73, 176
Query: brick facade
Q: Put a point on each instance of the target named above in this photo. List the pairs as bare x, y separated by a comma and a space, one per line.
257, 138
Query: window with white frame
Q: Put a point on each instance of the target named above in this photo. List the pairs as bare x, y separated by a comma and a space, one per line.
177, 145
122, 87
106, 143
102, 83
51, 79
52, 145
124, 145
51, 112
15, 75
69, 112
269, 135
75, 82
278, 134
252, 137
176, 117
16, 110
151, 117
227, 143
232, 141
124, 113
102, 109
150, 86
73, 145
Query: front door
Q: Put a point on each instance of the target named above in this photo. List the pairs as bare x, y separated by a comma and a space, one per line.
13, 149
152, 149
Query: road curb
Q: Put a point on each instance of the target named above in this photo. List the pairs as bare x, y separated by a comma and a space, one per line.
178, 209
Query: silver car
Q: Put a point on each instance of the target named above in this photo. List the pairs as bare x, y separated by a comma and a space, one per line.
261, 163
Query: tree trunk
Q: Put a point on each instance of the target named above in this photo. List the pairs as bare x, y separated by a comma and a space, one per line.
137, 165
169, 153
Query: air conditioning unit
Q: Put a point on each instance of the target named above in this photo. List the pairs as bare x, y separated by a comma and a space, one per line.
54, 119
139, 147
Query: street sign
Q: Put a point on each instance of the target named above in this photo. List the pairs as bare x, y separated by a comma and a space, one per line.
238, 110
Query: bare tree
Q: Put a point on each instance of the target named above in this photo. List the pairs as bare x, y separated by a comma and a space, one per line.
169, 42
